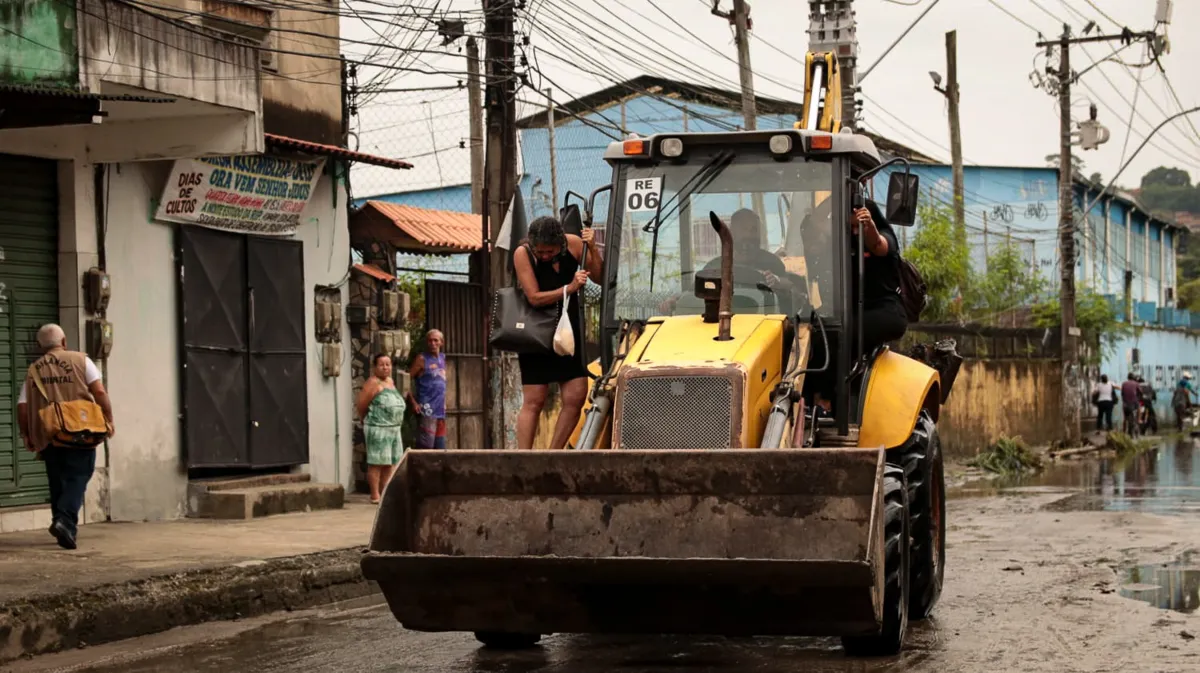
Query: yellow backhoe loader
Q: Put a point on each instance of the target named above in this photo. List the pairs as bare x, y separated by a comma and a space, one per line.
741, 468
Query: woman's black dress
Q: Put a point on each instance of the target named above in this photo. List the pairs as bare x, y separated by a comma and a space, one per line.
550, 367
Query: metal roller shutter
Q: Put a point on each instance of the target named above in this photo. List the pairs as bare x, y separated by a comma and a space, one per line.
28, 300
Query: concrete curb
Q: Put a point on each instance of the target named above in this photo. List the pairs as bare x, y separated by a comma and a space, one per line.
80, 617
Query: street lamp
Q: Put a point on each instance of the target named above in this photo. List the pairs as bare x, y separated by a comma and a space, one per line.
937, 82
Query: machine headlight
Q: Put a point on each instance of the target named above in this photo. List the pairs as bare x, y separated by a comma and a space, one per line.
781, 144
671, 147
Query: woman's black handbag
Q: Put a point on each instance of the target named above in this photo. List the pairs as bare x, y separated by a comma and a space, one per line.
520, 327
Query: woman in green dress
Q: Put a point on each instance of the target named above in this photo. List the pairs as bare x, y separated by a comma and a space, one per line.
381, 407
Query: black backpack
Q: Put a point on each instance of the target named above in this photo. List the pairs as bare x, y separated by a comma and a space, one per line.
914, 294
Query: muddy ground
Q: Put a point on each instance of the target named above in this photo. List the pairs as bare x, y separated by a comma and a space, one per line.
1062, 572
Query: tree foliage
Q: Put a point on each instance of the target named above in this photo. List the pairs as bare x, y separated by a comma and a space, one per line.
1094, 314
944, 260
1166, 191
1077, 162
1166, 177
957, 291
1010, 281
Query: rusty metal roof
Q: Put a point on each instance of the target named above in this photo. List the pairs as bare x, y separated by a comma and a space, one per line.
375, 272
284, 142
420, 229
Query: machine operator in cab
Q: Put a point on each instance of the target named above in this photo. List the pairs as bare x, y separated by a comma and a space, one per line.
752, 264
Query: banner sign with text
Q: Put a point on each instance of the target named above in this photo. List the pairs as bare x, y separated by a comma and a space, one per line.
250, 194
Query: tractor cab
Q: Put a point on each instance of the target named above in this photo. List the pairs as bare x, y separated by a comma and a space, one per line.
785, 197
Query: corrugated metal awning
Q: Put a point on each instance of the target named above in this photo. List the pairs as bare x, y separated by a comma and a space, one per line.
286, 143
375, 272
415, 229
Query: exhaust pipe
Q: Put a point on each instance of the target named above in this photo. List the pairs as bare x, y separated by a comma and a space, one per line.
725, 308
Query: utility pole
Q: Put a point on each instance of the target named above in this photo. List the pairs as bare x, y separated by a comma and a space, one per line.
960, 217
1071, 407
950, 91
1091, 135
553, 158
741, 20
475, 103
1066, 208
499, 185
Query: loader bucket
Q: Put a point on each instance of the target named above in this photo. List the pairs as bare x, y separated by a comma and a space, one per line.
731, 542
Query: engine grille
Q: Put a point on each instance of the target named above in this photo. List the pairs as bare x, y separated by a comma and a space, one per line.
677, 412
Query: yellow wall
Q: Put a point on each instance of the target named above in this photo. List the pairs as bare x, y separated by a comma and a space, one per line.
992, 398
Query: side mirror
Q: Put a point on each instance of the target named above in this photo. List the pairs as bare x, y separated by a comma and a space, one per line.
903, 189
571, 218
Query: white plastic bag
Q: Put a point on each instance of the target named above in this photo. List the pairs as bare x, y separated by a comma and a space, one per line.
564, 337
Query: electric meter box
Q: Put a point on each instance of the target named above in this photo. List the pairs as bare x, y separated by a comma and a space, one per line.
331, 359
357, 314
396, 306
99, 338
97, 288
395, 343
328, 319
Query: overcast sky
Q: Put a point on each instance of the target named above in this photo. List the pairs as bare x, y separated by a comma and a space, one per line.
1005, 120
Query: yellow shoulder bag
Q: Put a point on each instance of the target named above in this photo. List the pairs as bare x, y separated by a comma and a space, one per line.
78, 424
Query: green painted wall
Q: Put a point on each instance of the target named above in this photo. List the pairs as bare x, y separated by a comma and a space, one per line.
38, 42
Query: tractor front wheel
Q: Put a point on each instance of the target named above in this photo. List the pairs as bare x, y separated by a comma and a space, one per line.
890, 639
921, 458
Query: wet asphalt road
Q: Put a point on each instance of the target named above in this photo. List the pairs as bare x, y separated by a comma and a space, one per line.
369, 639
1070, 570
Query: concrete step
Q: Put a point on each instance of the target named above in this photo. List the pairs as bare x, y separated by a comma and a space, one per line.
260, 501
233, 483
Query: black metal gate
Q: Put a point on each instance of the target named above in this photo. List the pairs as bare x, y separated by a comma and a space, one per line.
457, 310
245, 390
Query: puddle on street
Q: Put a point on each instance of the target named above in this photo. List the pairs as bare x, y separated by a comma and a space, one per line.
1161, 480
1169, 586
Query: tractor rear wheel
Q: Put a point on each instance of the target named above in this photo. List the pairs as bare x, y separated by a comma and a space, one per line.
890, 639
921, 458
499, 640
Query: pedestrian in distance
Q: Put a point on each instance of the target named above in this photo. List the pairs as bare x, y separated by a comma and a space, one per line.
381, 408
1104, 396
1149, 396
64, 413
1181, 399
428, 395
1130, 395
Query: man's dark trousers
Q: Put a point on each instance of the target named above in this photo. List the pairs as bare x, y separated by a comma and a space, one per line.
69, 471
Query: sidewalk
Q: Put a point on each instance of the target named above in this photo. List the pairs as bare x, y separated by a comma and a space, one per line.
132, 579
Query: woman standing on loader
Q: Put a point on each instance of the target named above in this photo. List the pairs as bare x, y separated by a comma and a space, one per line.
548, 261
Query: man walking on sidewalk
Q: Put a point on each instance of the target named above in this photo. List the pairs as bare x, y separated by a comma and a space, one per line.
58, 410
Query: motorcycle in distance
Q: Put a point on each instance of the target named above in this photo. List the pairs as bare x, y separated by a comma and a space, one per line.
1147, 421
1191, 420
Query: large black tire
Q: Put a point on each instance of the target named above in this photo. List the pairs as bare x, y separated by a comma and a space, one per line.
890, 639
500, 640
921, 458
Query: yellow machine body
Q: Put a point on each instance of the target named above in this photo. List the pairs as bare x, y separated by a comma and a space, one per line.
676, 519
